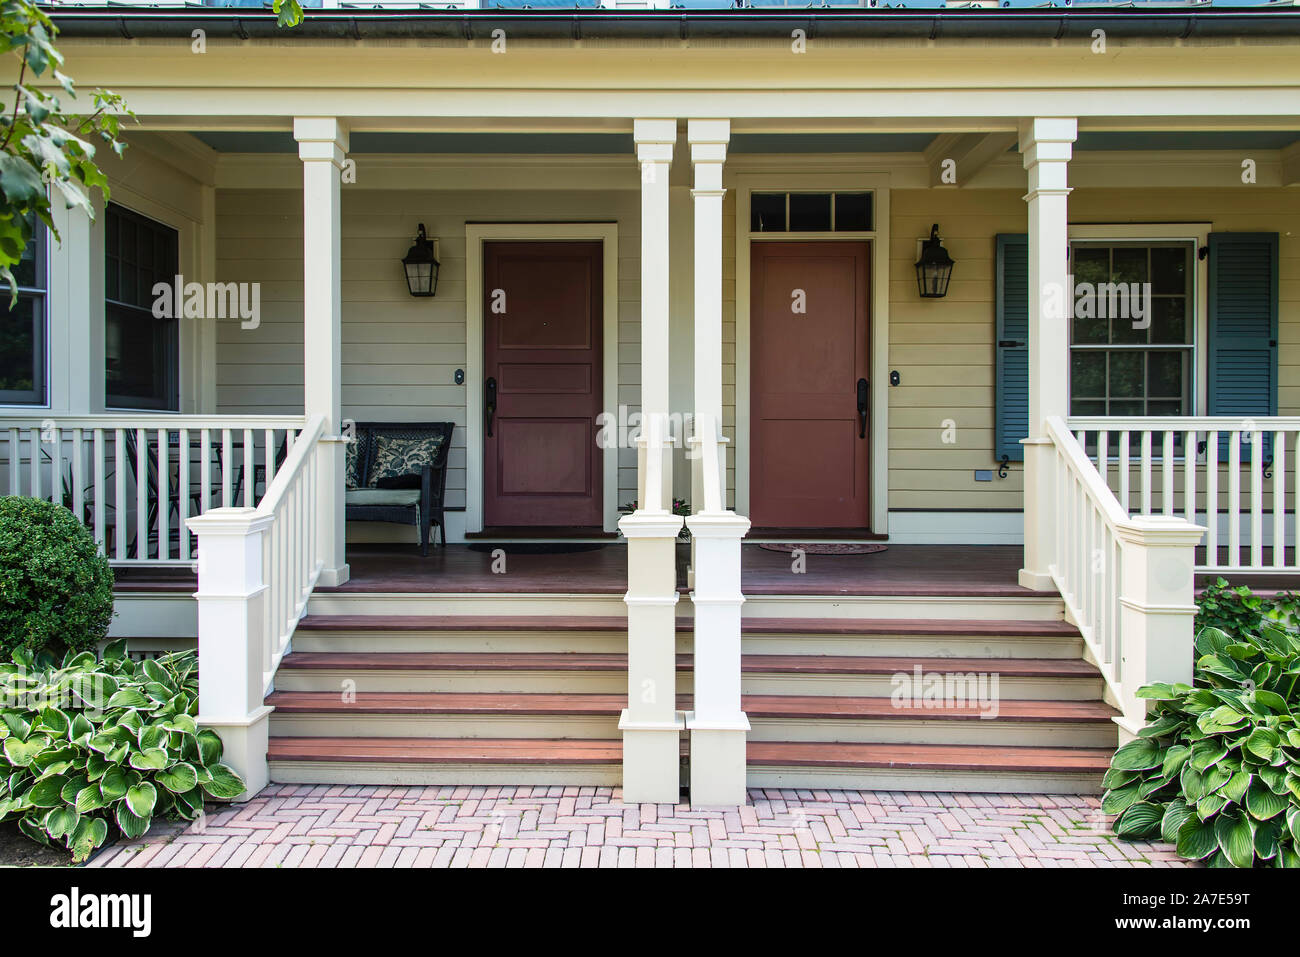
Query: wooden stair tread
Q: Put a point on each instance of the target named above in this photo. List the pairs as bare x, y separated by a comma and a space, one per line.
967, 757
539, 751
756, 706
754, 626
750, 664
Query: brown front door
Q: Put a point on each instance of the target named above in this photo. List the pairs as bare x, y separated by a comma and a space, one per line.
808, 325
542, 329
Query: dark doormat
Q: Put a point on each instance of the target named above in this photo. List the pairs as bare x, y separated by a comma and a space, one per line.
826, 548
536, 548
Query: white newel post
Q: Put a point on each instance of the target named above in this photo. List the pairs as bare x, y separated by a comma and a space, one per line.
232, 637
322, 147
651, 724
1157, 610
718, 724
1047, 144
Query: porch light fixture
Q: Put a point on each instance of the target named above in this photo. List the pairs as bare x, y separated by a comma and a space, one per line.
421, 265
934, 268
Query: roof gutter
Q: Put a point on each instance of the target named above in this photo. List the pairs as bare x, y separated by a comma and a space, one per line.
888, 23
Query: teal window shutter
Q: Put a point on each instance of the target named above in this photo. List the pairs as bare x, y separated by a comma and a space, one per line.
1011, 403
1243, 330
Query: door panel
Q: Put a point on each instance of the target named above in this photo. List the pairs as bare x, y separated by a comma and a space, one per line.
809, 465
542, 327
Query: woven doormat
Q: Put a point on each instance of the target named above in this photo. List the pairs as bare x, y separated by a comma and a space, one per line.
826, 548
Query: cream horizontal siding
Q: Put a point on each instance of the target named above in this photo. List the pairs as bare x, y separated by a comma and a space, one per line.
400, 354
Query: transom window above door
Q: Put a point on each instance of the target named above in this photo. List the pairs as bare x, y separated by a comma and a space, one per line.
810, 212
1132, 332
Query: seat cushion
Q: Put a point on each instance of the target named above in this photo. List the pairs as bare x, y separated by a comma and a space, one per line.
382, 496
398, 461
352, 463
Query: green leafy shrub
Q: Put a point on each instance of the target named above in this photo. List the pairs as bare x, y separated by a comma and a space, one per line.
56, 590
89, 744
1237, 611
1216, 771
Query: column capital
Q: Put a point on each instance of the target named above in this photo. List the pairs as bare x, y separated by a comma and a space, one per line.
654, 140
321, 138
1047, 129
708, 131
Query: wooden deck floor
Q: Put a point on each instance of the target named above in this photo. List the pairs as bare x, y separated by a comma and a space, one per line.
913, 570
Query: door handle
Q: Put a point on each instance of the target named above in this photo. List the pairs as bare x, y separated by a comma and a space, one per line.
863, 405
491, 403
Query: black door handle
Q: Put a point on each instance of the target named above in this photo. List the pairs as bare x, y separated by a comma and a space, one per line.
863, 405
491, 404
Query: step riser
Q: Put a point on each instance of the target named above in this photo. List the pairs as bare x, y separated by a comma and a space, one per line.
978, 782
998, 731
467, 775
756, 606
308, 724
867, 686
893, 646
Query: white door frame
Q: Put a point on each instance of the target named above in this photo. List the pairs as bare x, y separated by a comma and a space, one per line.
878, 185
475, 235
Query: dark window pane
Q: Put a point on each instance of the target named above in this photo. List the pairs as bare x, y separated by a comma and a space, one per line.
18, 361
141, 352
1126, 374
1167, 408
1090, 331
1129, 264
1091, 264
1128, 407
852, 212
1087, 374
767, 212
1169, 269
1123, 328
810, 212
1169, 324
1165, 374
1087, 407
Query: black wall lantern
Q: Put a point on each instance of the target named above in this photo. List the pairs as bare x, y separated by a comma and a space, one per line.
934, 268
421, 265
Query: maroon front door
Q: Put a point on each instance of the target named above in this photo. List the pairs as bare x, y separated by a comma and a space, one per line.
542, 328
808, 325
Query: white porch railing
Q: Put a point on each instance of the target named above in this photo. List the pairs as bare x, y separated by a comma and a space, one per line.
1229, 474
257, 569
1127, 581
134, 479
718, 723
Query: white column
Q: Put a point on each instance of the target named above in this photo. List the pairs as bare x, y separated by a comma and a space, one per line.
1046, 144
322, 145
718, 724
76, 312
1157, 610
651, 724
232, 637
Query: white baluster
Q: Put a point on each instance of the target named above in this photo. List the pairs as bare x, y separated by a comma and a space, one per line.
141, 495
100, 490
164, 496
1279, 499
1124, 471
1256, 498
1212, 499
1167, 474
1189, 477
227, 468
1234, 499
1146, 471
119, 499
183, 494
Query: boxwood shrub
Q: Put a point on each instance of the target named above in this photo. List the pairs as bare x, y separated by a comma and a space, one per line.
91, 747
56, 590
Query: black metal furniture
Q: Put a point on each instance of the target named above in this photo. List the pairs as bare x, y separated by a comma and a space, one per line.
415, 498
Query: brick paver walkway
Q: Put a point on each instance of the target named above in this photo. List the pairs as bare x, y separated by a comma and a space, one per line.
334, 826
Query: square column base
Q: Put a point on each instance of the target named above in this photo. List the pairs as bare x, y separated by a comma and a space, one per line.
718, 765
244, 746
651, 761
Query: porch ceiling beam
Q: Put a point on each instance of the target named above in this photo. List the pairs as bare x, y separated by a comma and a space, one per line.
955, 159
1271, 106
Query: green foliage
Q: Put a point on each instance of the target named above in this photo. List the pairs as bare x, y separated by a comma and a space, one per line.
43, 145
1236, 611
56, 590
288, 12
1216, 771
90, 745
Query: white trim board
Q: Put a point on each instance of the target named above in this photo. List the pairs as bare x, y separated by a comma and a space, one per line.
956, 528
878, 184
475, 235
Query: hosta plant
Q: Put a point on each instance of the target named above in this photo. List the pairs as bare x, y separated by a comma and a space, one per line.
1216, 771
93, 745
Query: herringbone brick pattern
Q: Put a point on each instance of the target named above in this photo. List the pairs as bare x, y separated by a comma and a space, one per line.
336, 826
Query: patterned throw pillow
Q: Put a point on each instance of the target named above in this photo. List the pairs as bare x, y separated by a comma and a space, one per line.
398, 462
352, 463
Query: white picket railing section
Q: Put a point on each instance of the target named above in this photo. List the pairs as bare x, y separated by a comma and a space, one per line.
1234, 481
134, 478
1127, 581
291, 560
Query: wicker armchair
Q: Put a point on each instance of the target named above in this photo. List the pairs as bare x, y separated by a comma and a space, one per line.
412, 499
